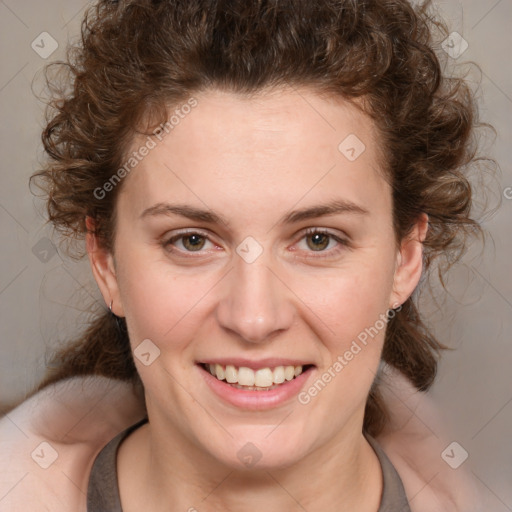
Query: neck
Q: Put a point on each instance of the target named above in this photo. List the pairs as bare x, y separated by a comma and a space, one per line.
157, 469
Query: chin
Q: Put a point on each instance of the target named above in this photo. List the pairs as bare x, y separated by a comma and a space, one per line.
264, 449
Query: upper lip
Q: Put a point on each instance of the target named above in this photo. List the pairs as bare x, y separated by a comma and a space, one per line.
269, 362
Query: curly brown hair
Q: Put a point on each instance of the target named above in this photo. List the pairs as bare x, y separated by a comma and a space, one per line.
137, 59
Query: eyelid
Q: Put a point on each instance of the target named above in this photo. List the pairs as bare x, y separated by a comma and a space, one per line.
187, 231
326, 231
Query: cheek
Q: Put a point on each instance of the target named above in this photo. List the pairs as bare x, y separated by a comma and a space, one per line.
336, 304
158, 303
348, 302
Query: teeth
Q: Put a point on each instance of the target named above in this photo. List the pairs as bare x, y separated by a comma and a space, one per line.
279, 375
246, 376
289, 372
219, 372
231, 374
262, 378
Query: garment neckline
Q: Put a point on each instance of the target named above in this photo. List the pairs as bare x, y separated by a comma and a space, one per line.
103, 488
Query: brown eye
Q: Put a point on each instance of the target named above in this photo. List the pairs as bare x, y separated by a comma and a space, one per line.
317, 241
193, 242
323, 242
187, 242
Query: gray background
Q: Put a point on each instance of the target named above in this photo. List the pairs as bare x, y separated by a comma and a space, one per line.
43, 292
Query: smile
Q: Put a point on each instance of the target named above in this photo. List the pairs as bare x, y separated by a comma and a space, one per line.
261, 379
258, 388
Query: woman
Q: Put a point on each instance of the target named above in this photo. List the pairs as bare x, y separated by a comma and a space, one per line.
261, 186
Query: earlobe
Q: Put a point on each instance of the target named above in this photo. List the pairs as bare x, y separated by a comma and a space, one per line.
409, 262
103, 269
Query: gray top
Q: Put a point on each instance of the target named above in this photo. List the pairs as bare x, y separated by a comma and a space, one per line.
103, 490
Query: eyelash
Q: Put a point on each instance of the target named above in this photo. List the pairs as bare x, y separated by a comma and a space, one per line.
342, 243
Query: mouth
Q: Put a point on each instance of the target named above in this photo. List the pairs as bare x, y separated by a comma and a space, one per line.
255, 379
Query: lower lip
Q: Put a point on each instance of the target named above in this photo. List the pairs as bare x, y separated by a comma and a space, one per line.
256, 400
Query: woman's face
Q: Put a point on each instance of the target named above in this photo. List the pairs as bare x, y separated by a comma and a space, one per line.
258, 233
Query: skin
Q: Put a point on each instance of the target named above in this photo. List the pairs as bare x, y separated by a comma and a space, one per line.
253, 161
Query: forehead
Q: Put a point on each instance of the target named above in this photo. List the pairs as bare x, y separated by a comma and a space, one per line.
282, 147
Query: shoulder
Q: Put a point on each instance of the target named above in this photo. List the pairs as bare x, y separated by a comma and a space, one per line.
414, 441
49, 442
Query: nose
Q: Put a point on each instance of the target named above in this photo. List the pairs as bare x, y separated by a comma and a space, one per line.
255, 304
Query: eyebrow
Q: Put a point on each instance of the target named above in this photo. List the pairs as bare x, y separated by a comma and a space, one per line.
200, 215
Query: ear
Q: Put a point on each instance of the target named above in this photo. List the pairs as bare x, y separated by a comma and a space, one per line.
103, 269
409, 262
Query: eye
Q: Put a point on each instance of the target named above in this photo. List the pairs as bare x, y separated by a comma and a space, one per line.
191, 241
316, 240
322, 240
